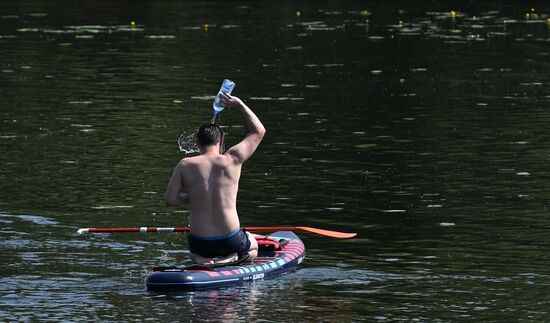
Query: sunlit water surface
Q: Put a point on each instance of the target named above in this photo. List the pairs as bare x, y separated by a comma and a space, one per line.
421, 126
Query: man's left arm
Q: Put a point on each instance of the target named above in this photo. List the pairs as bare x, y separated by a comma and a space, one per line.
174, 195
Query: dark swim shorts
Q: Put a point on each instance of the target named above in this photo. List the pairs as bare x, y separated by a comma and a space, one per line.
211, 247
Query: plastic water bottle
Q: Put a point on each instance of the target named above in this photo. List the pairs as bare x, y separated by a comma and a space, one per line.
227, 87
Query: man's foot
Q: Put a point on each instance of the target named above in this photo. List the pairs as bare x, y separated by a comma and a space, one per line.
198, 259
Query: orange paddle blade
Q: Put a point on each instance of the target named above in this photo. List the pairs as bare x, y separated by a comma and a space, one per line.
323, 232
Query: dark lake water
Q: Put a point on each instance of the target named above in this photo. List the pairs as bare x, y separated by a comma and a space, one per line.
423, 126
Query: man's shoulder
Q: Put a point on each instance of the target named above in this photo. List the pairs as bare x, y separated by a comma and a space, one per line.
188, 160
206, 160
232, 156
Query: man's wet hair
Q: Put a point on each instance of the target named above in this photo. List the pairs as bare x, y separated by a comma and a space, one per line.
209, 134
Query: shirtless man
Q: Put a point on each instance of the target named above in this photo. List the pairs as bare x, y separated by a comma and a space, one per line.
209, 182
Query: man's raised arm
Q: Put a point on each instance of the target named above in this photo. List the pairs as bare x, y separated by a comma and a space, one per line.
243, 150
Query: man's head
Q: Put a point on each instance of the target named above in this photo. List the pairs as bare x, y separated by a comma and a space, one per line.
208, 135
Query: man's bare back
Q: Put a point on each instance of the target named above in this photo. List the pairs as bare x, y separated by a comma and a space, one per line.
210, 181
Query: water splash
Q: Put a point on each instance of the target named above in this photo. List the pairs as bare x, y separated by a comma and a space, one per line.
187, 143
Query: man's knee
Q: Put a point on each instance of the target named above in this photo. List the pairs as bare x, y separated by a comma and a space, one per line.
253, 242
253, 250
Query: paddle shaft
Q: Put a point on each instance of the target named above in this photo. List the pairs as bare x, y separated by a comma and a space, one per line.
327, 233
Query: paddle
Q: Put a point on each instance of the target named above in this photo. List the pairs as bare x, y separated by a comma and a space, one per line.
327, 233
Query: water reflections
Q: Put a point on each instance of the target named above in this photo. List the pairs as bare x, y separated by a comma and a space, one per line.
420, 126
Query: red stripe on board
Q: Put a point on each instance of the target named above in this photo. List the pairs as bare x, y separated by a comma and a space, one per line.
208, 272
291, 252
236, 271
296, 245
291, 255
227, 273
287, 259
295, 249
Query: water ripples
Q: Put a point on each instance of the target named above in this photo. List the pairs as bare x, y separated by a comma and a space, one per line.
423, 129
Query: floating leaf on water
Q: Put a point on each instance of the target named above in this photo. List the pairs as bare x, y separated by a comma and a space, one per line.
81, 102
28, 30
497, 34
260, 98
58, 31
106, 207
230, 26
523, 173
446, 224
204, 98
320, 28
160, 37
311, 23
38, 14
125, 28
324, 161
376, 37
363, 146
454, 42
376, 72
